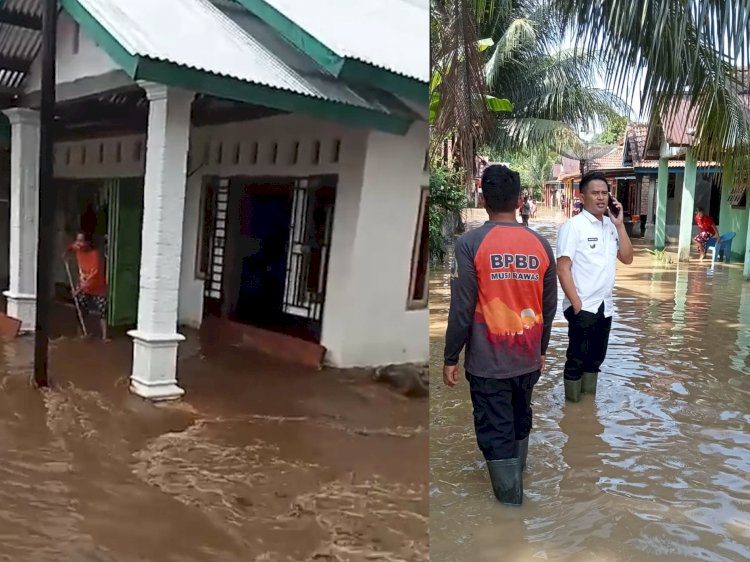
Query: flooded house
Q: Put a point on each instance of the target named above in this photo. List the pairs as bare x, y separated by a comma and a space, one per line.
644, 145
607, 160
253, 169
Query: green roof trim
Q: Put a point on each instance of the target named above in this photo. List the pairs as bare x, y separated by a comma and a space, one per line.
346, 68
294, 34
171, 74
233, 89
358, 71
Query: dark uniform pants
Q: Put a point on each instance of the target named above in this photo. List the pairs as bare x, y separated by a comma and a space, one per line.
588, 338
502, 412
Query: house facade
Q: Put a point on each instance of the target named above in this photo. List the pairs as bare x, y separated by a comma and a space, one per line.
642, 150
250, 166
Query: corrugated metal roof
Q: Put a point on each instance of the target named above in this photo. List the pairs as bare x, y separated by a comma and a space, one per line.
610, 161
18, 42
390, 34
636, 136
679, 123
228, 42
297, 64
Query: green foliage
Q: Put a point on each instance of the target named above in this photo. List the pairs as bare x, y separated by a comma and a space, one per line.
533, 165
686, 53
553, 90
447, 196
613, 132
661, 255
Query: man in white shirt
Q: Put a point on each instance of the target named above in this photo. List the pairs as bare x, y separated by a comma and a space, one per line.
588, 247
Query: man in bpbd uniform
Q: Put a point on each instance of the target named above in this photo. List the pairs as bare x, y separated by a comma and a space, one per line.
503, 301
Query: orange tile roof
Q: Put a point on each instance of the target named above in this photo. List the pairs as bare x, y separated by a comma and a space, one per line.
610, 161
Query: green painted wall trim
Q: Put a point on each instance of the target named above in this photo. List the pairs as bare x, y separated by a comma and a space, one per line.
687, 206
733, 220
660, 220
238, 90
94, 30
357, 71
295, 35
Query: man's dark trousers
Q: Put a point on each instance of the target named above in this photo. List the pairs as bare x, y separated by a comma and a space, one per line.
588, 338
502, 412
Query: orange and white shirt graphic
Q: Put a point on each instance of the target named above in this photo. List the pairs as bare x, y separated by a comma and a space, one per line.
503, 300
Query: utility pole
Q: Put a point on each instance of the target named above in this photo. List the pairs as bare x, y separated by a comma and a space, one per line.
46, 192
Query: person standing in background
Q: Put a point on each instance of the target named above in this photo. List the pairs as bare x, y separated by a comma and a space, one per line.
91, 292
588, 247
503, 302
525, 210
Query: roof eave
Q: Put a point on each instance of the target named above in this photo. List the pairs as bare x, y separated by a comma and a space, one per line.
234, 89
342, 67
171, 74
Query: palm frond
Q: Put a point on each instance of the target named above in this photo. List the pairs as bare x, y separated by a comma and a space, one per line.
520, 32
516, 132
684, 49
456, 58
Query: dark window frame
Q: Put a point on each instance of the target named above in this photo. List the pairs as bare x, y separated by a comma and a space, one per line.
420, 257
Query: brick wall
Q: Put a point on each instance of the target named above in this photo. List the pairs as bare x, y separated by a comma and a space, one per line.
645, 184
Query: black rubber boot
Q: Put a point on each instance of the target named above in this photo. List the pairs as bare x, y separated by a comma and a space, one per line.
522, 451
573, 390
507, 480
588, 383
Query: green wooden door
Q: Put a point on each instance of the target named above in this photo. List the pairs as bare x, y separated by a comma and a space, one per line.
125, 200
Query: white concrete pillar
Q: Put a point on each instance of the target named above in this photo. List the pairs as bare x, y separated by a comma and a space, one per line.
24, 212
155, 341
688, 207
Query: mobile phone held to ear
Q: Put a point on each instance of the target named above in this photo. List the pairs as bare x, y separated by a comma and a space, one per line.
613, 210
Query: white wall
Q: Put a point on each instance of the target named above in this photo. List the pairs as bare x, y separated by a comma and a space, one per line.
233, 138
366, 320
89, 61
239, 140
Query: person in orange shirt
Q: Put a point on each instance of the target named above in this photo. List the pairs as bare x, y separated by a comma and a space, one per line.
91, 292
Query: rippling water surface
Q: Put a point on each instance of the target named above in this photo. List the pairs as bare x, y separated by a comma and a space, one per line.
260, 462
655, 468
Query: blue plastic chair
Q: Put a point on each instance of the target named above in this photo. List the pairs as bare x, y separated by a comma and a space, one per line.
721, 248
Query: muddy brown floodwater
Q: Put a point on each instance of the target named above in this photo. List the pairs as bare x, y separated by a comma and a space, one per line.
259, 462
655, 468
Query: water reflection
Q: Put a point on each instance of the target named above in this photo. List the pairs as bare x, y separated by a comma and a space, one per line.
654, 468
678, 316
742, 345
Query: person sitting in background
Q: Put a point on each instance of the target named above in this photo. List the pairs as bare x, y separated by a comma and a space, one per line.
707, 231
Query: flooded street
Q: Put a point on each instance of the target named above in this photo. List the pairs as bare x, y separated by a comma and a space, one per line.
260, 461
654, 468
